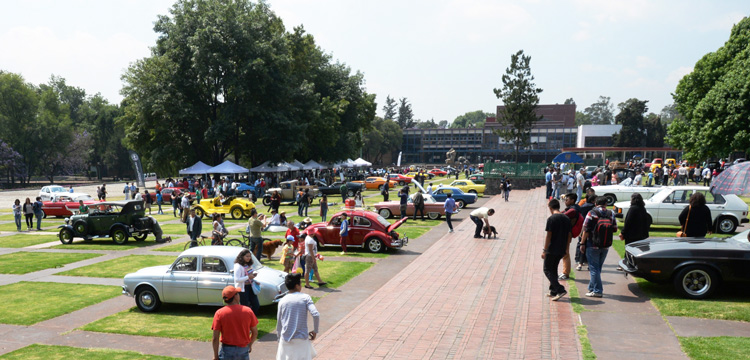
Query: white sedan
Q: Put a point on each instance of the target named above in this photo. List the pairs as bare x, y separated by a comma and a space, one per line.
49, 191
664, 207
197, 276
615, 193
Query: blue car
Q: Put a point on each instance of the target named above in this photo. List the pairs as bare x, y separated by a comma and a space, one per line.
462, 198
244, 189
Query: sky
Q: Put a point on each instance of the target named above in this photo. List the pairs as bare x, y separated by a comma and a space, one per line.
444, 56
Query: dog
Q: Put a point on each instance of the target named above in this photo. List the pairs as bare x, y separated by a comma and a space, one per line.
489, 232
269, 247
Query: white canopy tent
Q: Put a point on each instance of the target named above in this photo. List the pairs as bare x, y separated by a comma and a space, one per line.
264, 167
198, 168
289, 167
362, 162
300, 165
228, 167
314, 165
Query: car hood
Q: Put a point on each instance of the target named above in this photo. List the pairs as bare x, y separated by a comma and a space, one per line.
152, 270
671, 244
270, 276
395, 225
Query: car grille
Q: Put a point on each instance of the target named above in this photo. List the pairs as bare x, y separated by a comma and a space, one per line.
630, 259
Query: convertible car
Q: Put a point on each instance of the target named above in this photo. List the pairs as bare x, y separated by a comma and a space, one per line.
335, 188
63, 204
462, 199
116, 219
197, 276
696, 267
368, 230
237, 207
376, 183
615, 193
432, 208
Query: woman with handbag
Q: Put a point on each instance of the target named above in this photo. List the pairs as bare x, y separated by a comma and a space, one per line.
696, 218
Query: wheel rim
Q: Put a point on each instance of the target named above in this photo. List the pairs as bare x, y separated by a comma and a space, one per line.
433, 215
118, 236
199, 213
246, 193
696, 282
473, 191
726, 225
374, 245
236, 213
66, 236
147, 299
80, 228
385, 213
461, 204
610, 200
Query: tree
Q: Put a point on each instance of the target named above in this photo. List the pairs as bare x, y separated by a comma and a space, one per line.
19, 104
569, 101
669, 113
582, 119
655, 130
389, 109
405, 115
443, 124
384, 137
520, 96
429, 124
471, 119
601, 112
631, 118
11, 164
714, 101
52, 145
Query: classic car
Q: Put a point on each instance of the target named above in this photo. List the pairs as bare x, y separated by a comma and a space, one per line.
335, 188
400, 179
657, 163
696, 267
412, 174
168, 192
590, 170
49, 191
615, 193
244, 189
288, 192
477, 178
376, 183
116, 219
63, 204
197, 276
468, 186
664, 207
432, 208
462, 199
438, 172
237, 207
367, 229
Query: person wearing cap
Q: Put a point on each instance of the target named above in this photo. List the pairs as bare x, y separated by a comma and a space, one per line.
344, 233
235, 327
288, 251
295, 342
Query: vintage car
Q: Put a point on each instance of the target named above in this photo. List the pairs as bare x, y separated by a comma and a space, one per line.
615, 193
433, 209
335, 188
198, 276
116, 219
657, 163
244, 189
462, 199
664, 207
237, 207
376, 183
468, 186
400, 179
63, 204
477, 178
367, 229
288, 192
168, 193
696, 267
438, 172
49, 191
412, 174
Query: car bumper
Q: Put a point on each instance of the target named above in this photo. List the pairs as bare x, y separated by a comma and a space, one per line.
399, 243
745, 220
126, 292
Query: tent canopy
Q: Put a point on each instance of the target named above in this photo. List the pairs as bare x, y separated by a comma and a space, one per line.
198, 168
227, 167
362, 162
264, 167
300, 165
568, 157
314, 165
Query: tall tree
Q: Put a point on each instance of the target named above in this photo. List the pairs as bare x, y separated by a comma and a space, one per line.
405, 115
19, 104
669, 113
520, 96
655, 130
631, 117
443, 124
384, 137
601, 112
582, 119
52, 145
471, 119
569, 101
389, 109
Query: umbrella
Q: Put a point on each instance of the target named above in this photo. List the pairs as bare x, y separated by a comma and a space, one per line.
734, 180
568, 157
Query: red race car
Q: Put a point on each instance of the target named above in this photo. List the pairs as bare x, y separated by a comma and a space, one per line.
63, 204
367, 229
400, 179
438, 172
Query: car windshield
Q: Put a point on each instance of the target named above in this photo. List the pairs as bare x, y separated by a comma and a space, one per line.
383, 222
56, 189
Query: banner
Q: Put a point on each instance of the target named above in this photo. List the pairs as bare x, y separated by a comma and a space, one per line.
139, 177
399, 159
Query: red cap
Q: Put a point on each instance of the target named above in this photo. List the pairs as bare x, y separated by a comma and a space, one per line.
229, 292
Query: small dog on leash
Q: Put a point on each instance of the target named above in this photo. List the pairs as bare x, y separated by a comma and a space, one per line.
489, 232
269, 247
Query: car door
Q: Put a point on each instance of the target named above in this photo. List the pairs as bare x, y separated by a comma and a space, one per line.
180, 283
330, 234
212, 278
360, 226
671, 207
716, 203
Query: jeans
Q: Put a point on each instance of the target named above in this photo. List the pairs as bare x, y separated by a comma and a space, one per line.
596, 260
29, 220
193, 239
344, 240
480, 225
249, 299
39, 216
305, 206
555, 191
579, 192
229, 352
549, 189
580, 257
256, 247
299, 208
17, 217
402, 209
551, 261
505, 194
419, 209
448, 219
160, 211
174, 209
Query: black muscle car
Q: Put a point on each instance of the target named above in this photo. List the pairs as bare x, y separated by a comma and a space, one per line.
695, 266
335, 188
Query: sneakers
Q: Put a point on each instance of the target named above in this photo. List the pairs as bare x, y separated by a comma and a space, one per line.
578, 267
342, 253
450, 231
593, 294
550, 294
562, 277
559, 295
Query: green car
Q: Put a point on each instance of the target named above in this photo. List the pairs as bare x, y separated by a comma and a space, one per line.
116, 219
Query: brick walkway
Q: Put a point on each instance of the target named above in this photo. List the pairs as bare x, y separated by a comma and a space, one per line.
466, 298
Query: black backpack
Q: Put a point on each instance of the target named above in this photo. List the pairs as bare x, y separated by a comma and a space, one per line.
603, 230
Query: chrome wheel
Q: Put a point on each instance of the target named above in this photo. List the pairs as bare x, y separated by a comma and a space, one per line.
696, 282
374, 245
147, 299
726, 225
385, 213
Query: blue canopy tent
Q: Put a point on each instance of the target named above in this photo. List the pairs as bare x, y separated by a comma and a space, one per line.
227, 167
568, 157
198, 168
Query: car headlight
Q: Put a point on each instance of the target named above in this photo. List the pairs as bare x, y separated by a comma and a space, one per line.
67, 221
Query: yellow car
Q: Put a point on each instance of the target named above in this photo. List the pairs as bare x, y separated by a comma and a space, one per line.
237, 207
413, 174
468, 186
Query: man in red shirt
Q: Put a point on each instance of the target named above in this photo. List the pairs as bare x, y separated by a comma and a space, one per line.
235, 326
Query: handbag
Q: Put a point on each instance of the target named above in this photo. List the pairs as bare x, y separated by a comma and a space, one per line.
682, 233
256, 287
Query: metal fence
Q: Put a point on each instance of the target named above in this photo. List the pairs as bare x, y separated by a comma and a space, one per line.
515, 171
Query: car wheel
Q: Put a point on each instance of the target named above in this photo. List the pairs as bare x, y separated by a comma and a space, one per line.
374, 245
236, 212
433, 215
726, 225
696, 282
266, 201
66, 236
611, 199
140, 237
380, 187
199, 212
246, 193
461, 204
385, 213
81, 228
350, 193
119, 236
147, 299
473, 192
401, 183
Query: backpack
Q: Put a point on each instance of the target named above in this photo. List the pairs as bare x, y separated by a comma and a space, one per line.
603, 230
578, 226
35, 206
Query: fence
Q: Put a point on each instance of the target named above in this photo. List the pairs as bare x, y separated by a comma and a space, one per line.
513, 170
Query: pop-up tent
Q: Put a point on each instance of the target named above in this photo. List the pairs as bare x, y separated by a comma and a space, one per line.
314, 165
568, 157
362, 162
300, 165
227, 167
198, 168
264, 167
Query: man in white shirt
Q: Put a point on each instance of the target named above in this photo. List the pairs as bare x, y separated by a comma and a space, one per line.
580, 182
429, 189
706, 175
638, 178
479, 215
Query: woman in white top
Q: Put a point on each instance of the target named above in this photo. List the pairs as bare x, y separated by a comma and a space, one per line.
243, 279
17, 210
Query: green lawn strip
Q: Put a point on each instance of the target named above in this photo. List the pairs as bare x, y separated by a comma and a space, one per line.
19, 241
11, 226
118, 268
575, 296
56, 352
25, 262
335, 273
181, 229
583, 336
173, 248
413, 232
105, 244
353, 252
715, 348
9, 218
50, 300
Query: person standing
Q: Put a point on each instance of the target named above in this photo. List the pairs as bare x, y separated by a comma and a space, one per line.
104, 192
255, 225
39, 213
28, 212
99, 193
133, 190
126, 191
159, 202
323, 207
695, 219
450, 208
548, 182
311, 260
386, 185
481, 217
344, 233
17, 211
291, 322
572, 211
580, 182
555, 246
557, 184
243, 280
148, 201
706, 175
176, 204
342, 190
306, 199
184, 205
418, 204
235, 327
506, 189
637, 221
596, 248
194, 228
403, 200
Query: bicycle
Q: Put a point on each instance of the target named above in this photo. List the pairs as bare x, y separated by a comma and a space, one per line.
244, 242
201, 242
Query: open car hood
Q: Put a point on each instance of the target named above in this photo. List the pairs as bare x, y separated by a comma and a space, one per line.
395, 225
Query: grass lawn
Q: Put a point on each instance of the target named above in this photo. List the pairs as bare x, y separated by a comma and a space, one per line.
25, 262
181, 229
11, 226
9, 218
105, 244
335, 273
55, 352
351, 252
715, 348
173, 247
51, 300
118, 268
19, 241
413, 232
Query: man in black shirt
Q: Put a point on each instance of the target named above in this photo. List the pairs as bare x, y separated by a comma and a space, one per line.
558, 237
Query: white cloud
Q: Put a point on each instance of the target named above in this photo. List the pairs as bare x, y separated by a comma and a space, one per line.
608, 11
722, 22
677, 74
643, 62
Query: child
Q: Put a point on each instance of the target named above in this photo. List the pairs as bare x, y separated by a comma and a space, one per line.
288, 254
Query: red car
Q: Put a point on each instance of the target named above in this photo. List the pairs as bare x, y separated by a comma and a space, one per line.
438, 172
63, 204
167, 193
367, 229
400, 179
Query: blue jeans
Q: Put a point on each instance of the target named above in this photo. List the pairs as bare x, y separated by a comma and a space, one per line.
256, 247
596, 260
305, 206
579, 192
17, 217
505, 194
323, 213
479, 224
228, 352
448, 219
39, 216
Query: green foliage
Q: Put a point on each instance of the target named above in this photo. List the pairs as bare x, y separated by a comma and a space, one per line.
384, 137
57, 352
569, 101
582, 119
471, 119
714, 101
429, 124
631, 118
656, 131
389, 109
600, 112
405, 115
715, 348
520, 97
668, 114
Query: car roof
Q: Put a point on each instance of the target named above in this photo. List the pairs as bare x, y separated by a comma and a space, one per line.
222, 251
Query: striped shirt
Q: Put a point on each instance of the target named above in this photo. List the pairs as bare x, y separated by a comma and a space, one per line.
292, 316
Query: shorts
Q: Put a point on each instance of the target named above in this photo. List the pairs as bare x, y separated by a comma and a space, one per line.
288, 263
310, 264
295, 349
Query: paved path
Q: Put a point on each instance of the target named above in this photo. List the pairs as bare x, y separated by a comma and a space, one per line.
466, 298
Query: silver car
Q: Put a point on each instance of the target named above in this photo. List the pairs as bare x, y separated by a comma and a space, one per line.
197, 276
